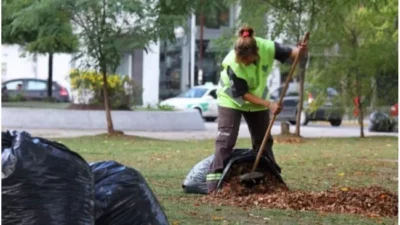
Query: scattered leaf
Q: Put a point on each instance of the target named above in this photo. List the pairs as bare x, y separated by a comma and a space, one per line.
251, 215
341, 174
358, 173
175, 223
217, 218
344, 189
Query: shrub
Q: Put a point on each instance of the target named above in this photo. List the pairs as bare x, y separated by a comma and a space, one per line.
17, 98
123, 92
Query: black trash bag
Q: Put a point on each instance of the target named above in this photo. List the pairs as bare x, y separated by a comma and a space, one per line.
6, 140
44, 183
123, 197
195, 181
239, 156
380, 122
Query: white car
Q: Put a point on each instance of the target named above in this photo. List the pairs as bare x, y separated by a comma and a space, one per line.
202, 98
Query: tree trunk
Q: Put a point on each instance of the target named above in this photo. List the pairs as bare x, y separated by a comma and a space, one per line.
302, 74
374, 94
361, 119
50, 77
110, 126
360, 106
285, 128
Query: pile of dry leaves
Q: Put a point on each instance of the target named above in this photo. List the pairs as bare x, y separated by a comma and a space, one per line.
369, 201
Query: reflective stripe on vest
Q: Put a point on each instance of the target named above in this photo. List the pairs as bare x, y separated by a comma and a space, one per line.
239, 99
214, 176
228, 91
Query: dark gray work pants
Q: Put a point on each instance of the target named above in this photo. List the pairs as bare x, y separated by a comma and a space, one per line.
228, 130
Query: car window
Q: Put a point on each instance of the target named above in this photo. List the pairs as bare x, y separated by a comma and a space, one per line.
193, 93
36, 85
289, 103
14, 85
277, 93
213, 93
332, 92
55, 86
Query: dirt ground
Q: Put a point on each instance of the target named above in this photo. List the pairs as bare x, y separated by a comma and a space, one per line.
91, 107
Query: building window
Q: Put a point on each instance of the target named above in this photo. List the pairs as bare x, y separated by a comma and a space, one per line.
215, 20
170, 70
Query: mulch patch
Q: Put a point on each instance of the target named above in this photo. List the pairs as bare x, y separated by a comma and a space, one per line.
368, 201
288, 139
92, 107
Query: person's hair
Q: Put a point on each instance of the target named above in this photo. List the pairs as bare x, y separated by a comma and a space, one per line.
246, 44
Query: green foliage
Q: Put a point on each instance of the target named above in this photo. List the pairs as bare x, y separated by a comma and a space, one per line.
165, 107
158, 107
121, 98
252, 14
17, 98
366, 50
48, 31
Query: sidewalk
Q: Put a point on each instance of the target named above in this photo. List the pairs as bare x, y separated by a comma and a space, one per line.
311, 131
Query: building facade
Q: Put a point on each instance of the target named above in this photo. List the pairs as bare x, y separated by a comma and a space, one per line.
141, 66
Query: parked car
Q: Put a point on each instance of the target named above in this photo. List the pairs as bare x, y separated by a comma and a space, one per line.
330, 110
383, 122
380, 122
202, 98
32, 89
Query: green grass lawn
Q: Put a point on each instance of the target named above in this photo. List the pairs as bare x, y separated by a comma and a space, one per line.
315, 165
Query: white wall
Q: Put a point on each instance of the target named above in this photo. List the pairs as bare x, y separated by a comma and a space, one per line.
124, 68
15, 66
151, 74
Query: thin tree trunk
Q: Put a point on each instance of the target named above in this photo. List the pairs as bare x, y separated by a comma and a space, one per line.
374, 93
361, 119
301, 99
360, 107
302, 75
50, 77
110, 126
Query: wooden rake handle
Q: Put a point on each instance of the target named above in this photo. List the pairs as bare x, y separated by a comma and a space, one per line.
283, 94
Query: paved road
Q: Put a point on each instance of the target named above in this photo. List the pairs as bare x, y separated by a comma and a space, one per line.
311, 130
